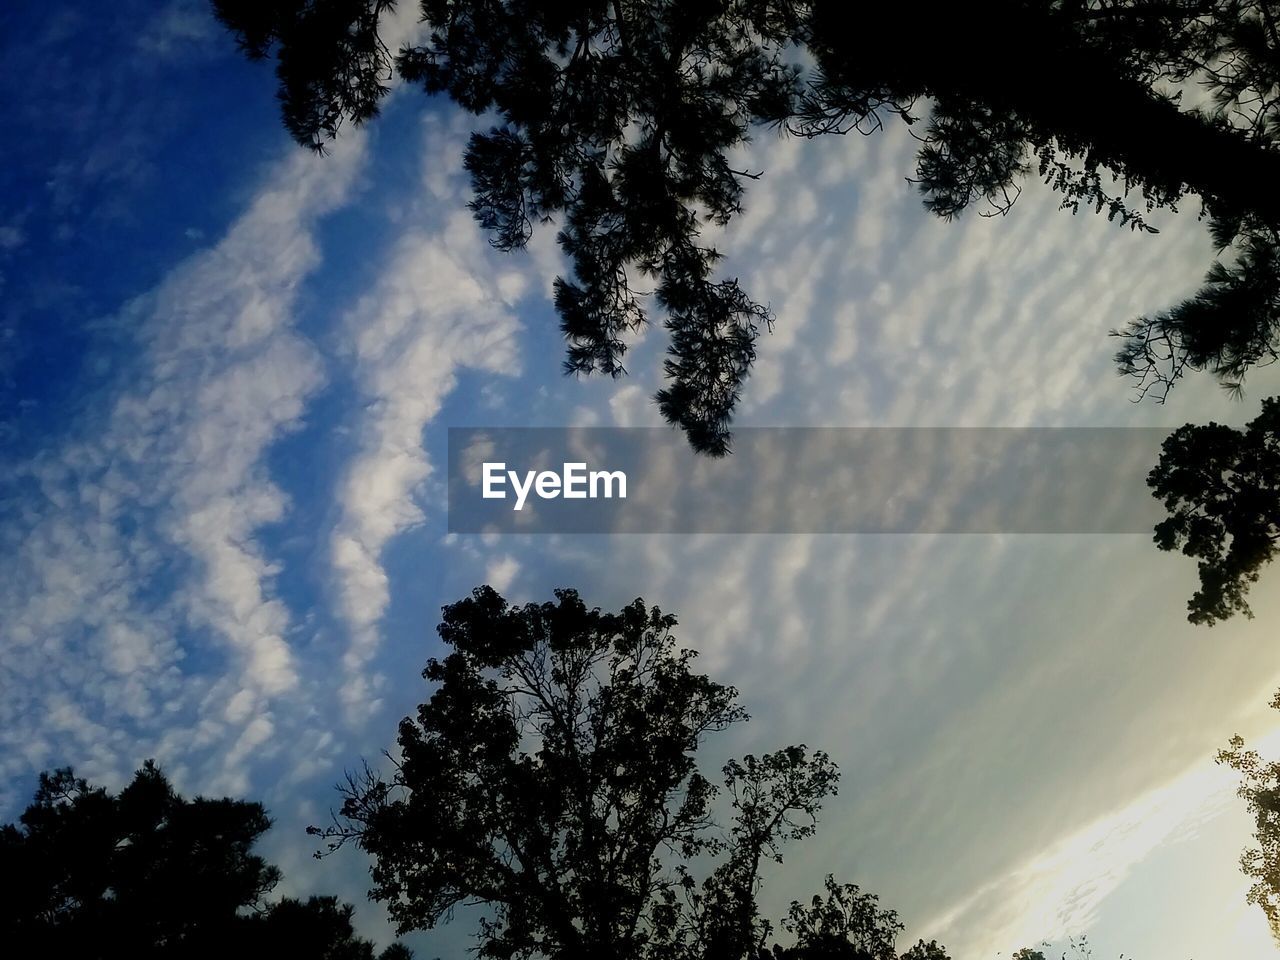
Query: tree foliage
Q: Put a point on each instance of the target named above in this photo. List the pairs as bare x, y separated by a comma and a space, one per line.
1260, 789
619, 119
1221, 487
847, 924
147, 874
551, 777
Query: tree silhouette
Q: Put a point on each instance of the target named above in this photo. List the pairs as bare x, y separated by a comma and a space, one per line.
1222, 489
1260, 789
618, 117
551, 777
147, 874
847, 925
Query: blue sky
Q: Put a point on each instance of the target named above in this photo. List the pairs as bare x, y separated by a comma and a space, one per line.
227, 372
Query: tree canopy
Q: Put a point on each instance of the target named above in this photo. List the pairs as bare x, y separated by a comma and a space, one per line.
552, 778
618, 120
1260, 789
148, 874
1221, 487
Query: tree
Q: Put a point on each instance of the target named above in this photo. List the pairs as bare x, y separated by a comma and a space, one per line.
318, 927
847, 925
1221, 487
551, 777
147, 874
617, 118
1260, 789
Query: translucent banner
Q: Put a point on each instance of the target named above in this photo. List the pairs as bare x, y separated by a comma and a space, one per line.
804, 480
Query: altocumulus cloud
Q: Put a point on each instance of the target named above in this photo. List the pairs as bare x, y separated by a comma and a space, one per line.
140, 613
444, 303
1013, 714
978, 693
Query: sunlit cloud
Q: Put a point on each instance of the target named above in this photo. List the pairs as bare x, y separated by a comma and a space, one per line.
1058, 893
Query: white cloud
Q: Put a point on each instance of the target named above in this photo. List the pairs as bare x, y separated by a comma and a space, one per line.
443, 303
978, 691
183, 28
1002, 707
502, 572
1058, 893
137, 558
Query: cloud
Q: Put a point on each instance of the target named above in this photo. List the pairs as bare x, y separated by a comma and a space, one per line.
11, 237
442, 304
994, 702
183, 28
141, 614
1059, 892
502, 572
979, 693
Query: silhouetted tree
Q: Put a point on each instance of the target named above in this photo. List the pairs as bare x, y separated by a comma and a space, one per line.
1260, 788
147, 874
617, 117
1222, 489
551, 777
319, 928
926, 951
847, 924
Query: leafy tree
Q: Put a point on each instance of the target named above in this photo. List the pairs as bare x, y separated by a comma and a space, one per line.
618, 117
551, 777
319, 927
1260, 789
1077, 949
1222, 489
147, 874
926, 951
847, 925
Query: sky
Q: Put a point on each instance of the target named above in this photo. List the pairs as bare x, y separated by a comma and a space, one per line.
227, 371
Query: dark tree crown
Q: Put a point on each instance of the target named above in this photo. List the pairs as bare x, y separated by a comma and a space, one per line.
552, 778
618, 119
148, 875
1222, 489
